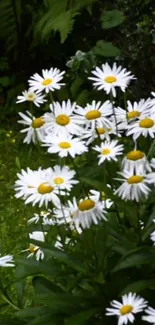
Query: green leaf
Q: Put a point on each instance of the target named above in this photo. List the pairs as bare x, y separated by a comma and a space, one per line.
81, 317
76, 85
28, 267
137, 257
138, 286
103, 48
97, 185
111, 18
42, 285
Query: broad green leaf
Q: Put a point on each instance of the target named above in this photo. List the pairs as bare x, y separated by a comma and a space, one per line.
138, 286
137, 257
42, 285
30, 312
111, 18
81, 317
103, 48
30, 267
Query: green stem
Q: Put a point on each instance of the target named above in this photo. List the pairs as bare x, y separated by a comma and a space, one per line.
9, 301
111, 99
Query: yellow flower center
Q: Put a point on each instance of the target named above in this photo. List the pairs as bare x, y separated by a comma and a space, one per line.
32, 249
101, 130
31, 96
126, 309
92, 115
64, 145
135, 179
58, 180
133, 114
37, 122
106, 151
47, 82
62, 119
45, 188
110, 79
135, 155
146, 123
86, 205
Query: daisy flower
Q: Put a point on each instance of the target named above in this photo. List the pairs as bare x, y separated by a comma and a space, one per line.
35, 127
7, 261
152, 237
36, 187
108, 78
109, 150
144, 126
134, 187
43, 215
65, 145
31, 96
136, 161
87, 211
50, 80
63, 119
150, 317
100, 132
63, 215
152, 104
133, 111
33, 249
62, 177
94, 113
125, 310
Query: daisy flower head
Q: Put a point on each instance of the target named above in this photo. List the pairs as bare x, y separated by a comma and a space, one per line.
7, 261
108, 150
101, 132
133, 112
152, 237
31, 96
49, 81
36, 187
40, 217
94, 113
144, 126
134, 187
87, 211
136, 161
125, 310
63, 178
35, 127
33, 249
108, 78
65, 145
152, 103
63, 118
150, 315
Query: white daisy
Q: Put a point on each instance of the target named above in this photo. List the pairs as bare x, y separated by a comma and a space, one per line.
94, 113
134, 187
63, 118
50, 80
133, 111
43, 215
31, 96
136, 161
87, 211
150, 317
144, 126
107, 203
62, 177
7, 261
33, 249
63, 215
35, 127
109, 150
36, 187
152, 237
131, 304
65, 145
108, 78
100, 132
152, 104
